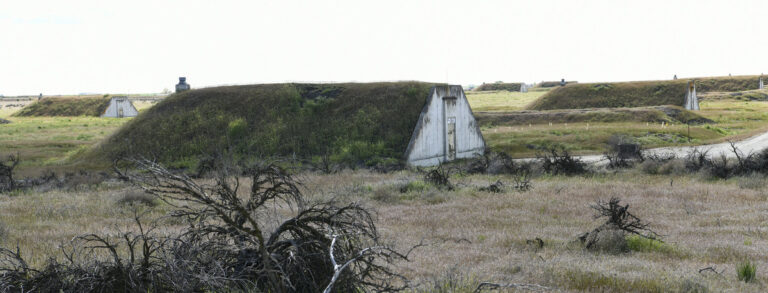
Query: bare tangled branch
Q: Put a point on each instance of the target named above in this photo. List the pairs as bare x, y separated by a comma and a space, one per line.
228, 244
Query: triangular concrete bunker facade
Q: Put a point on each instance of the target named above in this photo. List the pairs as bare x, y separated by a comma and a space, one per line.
446, 129
120, 107
691, 100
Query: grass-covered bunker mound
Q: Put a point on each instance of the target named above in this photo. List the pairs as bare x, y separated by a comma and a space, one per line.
499, 86
353, 123
636, 94
669, 114
66, 106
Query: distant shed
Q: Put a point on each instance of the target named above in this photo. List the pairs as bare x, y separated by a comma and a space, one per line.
120, 107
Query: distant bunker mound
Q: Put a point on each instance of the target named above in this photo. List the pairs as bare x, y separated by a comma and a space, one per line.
512, 87
352, 123
637, 94
65, 106
655, 114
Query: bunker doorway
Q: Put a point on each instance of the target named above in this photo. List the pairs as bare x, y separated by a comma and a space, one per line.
449, 120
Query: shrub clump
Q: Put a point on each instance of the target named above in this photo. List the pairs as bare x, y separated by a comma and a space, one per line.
557, 161
611, 235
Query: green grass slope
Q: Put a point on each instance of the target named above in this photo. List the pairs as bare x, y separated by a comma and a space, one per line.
89, 106
513, 87
352, 123
636, 94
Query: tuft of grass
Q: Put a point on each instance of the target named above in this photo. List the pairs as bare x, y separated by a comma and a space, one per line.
642, 244
746, 271
136, 197
415, 186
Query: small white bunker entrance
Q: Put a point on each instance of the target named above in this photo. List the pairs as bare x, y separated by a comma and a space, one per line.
120, 107
691, 100
446, 129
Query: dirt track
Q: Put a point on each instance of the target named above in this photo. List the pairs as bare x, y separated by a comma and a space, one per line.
751, 145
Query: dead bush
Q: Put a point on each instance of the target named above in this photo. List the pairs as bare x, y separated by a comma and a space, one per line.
229, 244
622, 152
610, 236
496, 187
439, 177
522, 181
491, 163
650, 167
7, 182
557, 161
82, 179
673, 167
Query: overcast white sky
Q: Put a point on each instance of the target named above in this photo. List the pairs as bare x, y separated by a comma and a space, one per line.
66, 47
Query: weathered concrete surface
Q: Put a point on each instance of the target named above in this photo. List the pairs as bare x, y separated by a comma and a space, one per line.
446, 129
691, 100
120, 107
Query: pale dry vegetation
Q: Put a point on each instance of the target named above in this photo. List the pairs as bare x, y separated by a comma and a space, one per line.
527, 237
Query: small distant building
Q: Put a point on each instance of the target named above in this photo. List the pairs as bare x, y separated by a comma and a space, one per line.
183, 85
674, 77
446, 129
523, 88
760, 83
562, 82
120, 107
691, 100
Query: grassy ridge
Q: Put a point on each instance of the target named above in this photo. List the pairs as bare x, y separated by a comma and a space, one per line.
667, 114
636, 94
549, 84
87, 106
513, 87
351, 123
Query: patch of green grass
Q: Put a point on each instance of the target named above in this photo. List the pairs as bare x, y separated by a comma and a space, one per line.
415, 186
746, 271
642, 244
45, 142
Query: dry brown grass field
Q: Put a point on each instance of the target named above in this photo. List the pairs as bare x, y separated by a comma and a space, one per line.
477, 236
